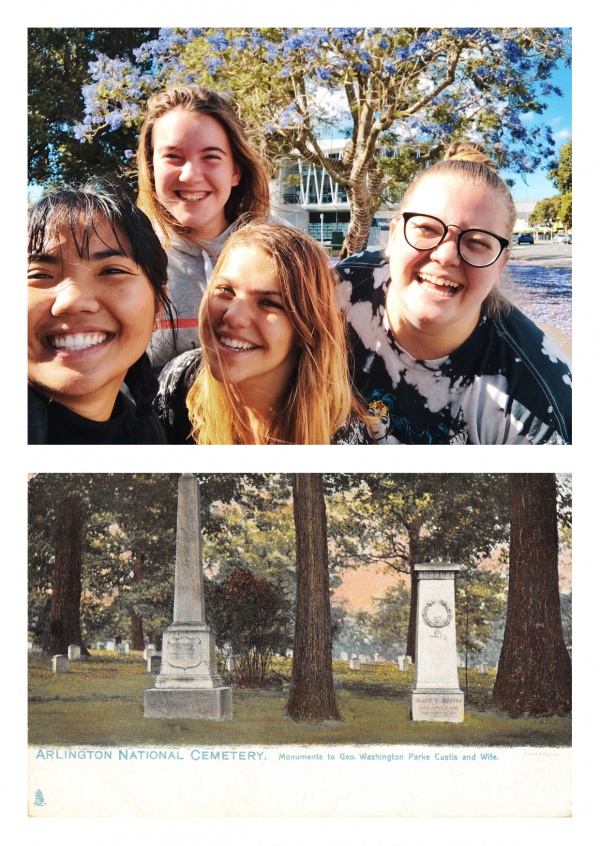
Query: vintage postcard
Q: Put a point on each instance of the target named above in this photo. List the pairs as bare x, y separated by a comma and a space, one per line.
297, 635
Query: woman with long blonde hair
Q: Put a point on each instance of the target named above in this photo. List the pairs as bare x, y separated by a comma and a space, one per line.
273, 365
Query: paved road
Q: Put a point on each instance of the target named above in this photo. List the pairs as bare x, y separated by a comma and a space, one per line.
543, 252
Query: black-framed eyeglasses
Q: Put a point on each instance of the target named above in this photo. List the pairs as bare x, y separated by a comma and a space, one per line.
476, 247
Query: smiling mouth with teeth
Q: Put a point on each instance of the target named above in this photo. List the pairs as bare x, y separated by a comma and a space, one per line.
78, 341
234, 344
445, 285
193, 197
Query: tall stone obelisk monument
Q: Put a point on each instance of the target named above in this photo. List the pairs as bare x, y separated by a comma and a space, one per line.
436, 696
188, 685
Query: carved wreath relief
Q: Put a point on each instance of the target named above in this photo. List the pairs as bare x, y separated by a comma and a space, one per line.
437, 614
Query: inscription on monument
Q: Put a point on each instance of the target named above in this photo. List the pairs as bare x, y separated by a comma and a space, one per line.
185, 653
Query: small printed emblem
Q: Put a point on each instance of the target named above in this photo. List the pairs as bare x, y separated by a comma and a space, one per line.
39, 800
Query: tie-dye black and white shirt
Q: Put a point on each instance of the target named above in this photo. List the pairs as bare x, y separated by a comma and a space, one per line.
507, 384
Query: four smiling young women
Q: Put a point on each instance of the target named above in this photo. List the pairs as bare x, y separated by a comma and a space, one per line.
250, 320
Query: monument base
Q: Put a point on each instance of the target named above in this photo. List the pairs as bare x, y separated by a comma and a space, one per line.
191, 704
442, 706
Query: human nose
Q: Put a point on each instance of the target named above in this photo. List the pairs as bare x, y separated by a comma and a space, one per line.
190, 171
446, 251
237, 313
74, 296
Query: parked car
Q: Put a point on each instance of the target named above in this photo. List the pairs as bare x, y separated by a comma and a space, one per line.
525, 238
562, 238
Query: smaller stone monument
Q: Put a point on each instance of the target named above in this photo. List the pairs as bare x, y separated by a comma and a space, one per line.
354, 664
436, 696
153, 663
60, 664
74, 652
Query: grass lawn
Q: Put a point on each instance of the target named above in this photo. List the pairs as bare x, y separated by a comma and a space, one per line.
99, 703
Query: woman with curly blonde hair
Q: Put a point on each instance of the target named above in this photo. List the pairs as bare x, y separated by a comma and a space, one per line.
273, 366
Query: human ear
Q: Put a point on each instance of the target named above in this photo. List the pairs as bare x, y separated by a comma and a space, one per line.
236, 175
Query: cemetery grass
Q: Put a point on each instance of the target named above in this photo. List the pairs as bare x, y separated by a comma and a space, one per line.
99, 703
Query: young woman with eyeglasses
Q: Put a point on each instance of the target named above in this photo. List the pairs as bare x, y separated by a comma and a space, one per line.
455, 362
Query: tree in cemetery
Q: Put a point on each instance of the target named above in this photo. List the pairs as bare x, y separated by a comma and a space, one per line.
534, 671
312, 696
401, 519
64, 625
480, 606
58, 60
408, 89
127, 548
250, 617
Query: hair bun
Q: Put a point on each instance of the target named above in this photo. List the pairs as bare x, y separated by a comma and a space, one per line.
469, 151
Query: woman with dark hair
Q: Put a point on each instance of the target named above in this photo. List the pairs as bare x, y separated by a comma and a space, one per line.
429, 329
96, 285
198, 176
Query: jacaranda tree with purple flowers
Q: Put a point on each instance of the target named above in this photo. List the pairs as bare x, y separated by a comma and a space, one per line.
414, 89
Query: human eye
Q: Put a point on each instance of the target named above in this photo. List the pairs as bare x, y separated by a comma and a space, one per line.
269, 303
115, 270
426, 227
37, 273
223, 291
480, 241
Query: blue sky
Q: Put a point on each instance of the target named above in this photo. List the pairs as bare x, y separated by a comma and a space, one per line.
558, 116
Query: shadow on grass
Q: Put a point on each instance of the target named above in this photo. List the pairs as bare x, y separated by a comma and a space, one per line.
99, 703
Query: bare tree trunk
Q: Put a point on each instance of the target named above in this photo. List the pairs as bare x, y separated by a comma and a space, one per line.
414, 533
137, 629
534, 672
363, 205
65, 624
312, 697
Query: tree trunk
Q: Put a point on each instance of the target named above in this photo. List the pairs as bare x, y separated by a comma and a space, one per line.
534, 672
413, 549
137, 629
362, 209
312, 697
64, 626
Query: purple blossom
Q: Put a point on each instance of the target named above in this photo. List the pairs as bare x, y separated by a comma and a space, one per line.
213, 64
345, 34
362, 67
129, 154
218, 41
323, 73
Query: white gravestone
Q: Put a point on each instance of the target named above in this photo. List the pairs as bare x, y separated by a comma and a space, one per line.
74, 652
188, 685
60, 664
436, 696
149, 650
111, 645
354, 664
